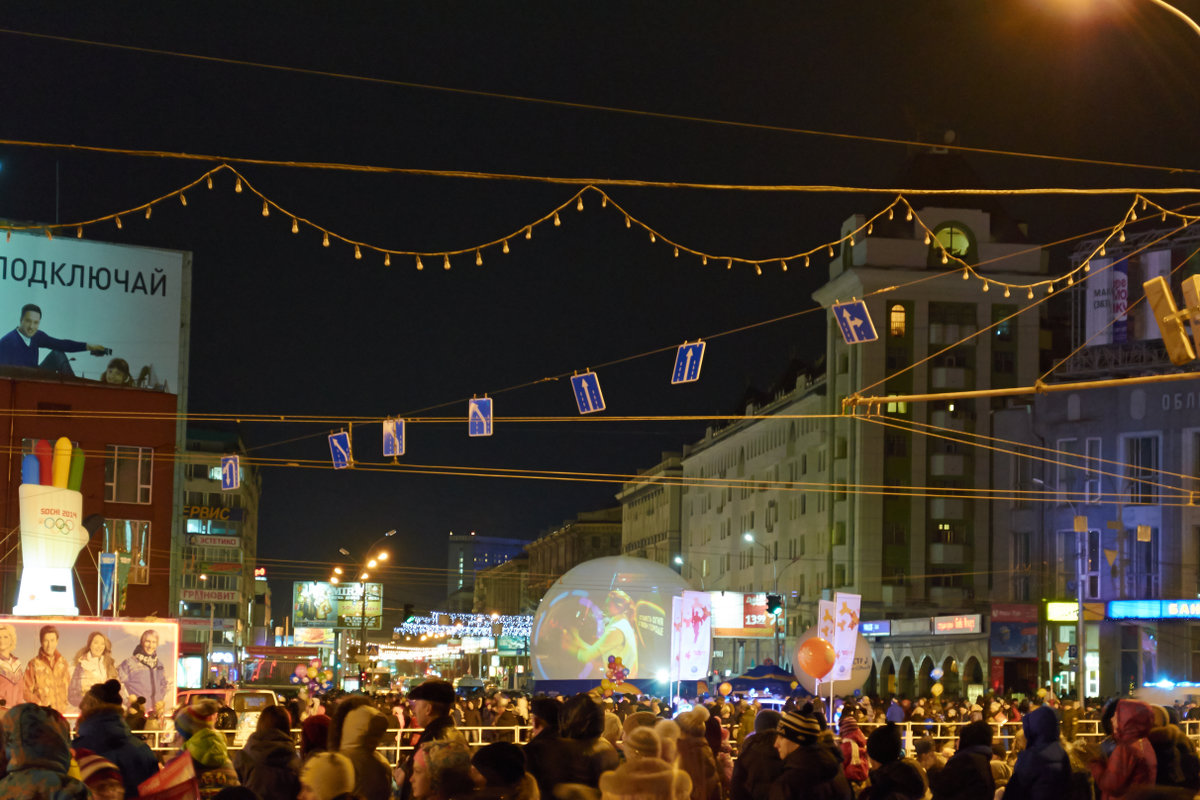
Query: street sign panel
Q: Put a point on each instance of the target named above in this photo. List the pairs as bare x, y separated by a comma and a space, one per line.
588, 396
339, 450
231, 473
479, 416
855, 322
687, 362
393, 437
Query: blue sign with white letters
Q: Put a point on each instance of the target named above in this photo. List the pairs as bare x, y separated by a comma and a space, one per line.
339, 450
231, 473
687, 362
479, 416
588, 396
855, 322
393, 437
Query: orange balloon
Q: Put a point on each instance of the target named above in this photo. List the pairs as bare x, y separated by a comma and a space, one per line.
817, 657
725, 688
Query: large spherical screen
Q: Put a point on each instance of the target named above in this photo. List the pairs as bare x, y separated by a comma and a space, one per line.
616, 606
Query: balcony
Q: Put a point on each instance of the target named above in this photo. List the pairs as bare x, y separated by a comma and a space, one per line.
948, 378
947, 508
947, 596
946, 464
946, 554
893, 595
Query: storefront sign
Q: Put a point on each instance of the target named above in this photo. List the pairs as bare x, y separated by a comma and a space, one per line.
212, 512
1154, 609
209, 595
1068, 611
876, 628
910, 627
203, 623
219, 566
197, 540
959, 623
1014, 612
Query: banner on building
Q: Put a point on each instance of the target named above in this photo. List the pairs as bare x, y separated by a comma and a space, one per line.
676, 635
1098, 302
740, 616
1120, 301
845, 635
1155, 264
108, 580
694, 635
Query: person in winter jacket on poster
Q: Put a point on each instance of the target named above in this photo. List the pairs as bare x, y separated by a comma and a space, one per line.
1043, 768
1132, 762
47, 674
93, 664
892, 776
968, 773
854, 750
103, 730
268, 763
144, 674
38, 751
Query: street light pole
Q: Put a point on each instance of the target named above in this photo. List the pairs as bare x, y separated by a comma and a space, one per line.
1081, 526
370, 563
749, 537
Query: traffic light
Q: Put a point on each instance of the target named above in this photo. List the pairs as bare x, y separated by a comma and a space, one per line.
408, 612
1170, 319
774, 604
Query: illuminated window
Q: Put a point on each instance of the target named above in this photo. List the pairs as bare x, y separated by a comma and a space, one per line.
897, 320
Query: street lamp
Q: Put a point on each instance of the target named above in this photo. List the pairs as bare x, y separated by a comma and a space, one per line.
749, 537
679, 562
1081, 527
371, 562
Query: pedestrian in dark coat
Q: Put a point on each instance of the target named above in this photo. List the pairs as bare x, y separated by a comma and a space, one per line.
968, 773
38, 755
546, 754
1043, 768
581, 722
758, 764
268, 763
892, 776
103, 730
811, 770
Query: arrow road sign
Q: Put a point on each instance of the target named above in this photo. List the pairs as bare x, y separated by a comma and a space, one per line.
588, 396
855, 322
479, 416
231, 477
393, 437
687, 362
339, 450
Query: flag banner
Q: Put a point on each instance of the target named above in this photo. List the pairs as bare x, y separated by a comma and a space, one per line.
107, 578
845, 635
695, 635
826, 620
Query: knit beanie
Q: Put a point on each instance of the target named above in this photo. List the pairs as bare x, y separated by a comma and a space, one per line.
201, 713
642, 742
847, 724
314, 733
766, 720
95, 770
328, 775
976, 733
207, 746
500, 763
885, 744
798, 728
107, 692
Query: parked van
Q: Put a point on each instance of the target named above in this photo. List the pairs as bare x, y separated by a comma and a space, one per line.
247, 703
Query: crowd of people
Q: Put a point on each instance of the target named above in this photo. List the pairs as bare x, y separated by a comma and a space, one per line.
441, 746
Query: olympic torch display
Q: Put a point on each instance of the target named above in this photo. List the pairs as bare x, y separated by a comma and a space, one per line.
52, 532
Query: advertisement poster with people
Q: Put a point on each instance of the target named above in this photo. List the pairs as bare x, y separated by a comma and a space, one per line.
53, 662
105, 312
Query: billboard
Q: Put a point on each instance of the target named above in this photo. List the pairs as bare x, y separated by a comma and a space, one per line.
617, 606
741, 616
318, 604
92, 297
53, 661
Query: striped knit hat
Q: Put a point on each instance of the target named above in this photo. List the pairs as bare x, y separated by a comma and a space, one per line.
847, 724
798, 728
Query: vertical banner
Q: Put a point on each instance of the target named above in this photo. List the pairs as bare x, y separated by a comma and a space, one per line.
695, 636
845, 635
1155, 264
1120, 301
676, 635
826, 620
124, 562
1098, 302
107, 578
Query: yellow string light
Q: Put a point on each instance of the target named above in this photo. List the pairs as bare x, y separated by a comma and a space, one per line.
1103, 250
446, 261
966, 274
704, 260
870, 228
1006, 292
676, 252
529, 232
49, 235
603, 200
78, 232
626, 220
1050, 289
986, 288
325, 239
182, 198
387, 259
908, 216
729, 263
557, 221
266, 212
1122, 238
652, 239
1087, 266
852, 240
478, 259
1133, 215
758, 269
295, 225
831, 251
209, 181
420, 266
1030, 292
357, 253
927, 238
945, 258
783, 264
237, 186
505, 248
890, 208
147, 212
579, 204
118, 219
806, 261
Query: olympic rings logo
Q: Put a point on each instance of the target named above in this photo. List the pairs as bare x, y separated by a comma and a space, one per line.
63, 525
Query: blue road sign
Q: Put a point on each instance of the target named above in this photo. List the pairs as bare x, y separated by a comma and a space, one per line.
687, 362
855, 322
588, 396
393, 437
339, 450
231, 473
479, 416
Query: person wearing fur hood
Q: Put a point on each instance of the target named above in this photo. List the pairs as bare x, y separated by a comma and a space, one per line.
103, 730
38, 755
644, 775
696, 757
355, 731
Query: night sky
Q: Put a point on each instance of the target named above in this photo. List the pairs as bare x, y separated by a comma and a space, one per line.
281, 325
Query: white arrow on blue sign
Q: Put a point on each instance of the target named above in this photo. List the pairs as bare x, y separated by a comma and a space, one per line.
588, 396
855, 322
687, 362
479, 416
393, 437
231, 473
339, 450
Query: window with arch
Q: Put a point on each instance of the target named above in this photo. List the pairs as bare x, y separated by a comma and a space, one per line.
897, 320
956, 239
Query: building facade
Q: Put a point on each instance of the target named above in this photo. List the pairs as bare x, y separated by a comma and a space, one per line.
468, 554
593, 534
651, 506
503, 589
